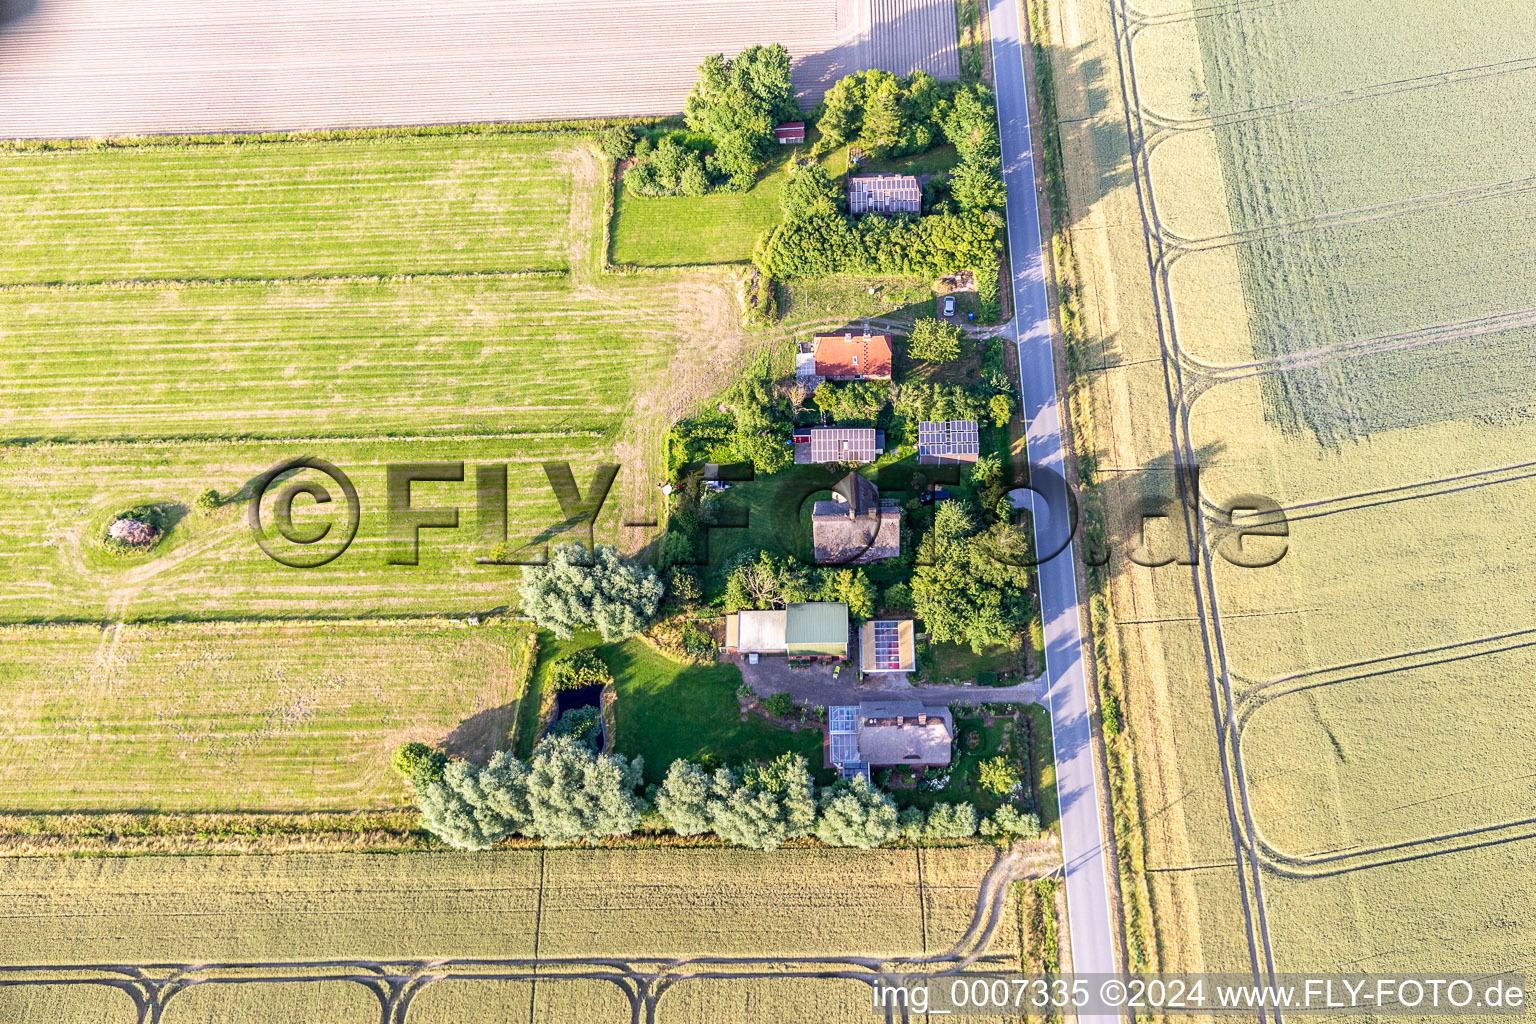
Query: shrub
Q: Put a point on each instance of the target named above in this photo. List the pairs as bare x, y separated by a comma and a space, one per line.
619, 141
1001, 408
696, 641
683, 585
418, 763
581, 724
207, 502
898, 597
779, 705
855, 814
581, 589
760, 806
999, 775
1008, 820
951, 821
910, 822
577, 669
573, 793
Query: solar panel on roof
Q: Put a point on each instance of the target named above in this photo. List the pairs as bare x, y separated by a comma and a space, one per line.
887, 645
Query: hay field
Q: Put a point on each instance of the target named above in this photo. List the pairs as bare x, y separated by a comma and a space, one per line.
443, 303
565, 909
245, 716
415, 203
1337, 206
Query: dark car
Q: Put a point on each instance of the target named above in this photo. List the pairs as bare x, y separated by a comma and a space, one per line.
929, 497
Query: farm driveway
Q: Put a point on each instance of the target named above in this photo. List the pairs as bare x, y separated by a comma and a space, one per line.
815, 685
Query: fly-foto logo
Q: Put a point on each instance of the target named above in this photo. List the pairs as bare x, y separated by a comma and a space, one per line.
331, 510
1249, 530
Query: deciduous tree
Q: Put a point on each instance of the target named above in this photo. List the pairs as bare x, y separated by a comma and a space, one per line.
853, 813
934, 341
582, 589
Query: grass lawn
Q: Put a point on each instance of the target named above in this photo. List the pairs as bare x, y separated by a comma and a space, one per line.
668, 710
937, 159
670, 231
771, 512
807, 306
243, 716
957, 663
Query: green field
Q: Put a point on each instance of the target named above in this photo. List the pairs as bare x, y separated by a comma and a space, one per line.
791, 907
1343, 210
248, 716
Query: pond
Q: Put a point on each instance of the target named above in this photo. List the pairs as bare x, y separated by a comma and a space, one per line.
581, 697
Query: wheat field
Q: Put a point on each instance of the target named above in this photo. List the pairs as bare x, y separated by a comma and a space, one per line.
1336, 208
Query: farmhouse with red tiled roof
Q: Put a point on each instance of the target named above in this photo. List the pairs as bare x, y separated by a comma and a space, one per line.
850, 356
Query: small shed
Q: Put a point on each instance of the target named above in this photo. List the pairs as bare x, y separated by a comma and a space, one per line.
790, 133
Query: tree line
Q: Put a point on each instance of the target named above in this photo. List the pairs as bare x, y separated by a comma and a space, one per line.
567, 792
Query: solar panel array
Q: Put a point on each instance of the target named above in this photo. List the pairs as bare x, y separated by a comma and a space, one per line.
887, 645
948, 437
832, 444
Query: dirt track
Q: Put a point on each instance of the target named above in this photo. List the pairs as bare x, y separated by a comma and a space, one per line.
99, 67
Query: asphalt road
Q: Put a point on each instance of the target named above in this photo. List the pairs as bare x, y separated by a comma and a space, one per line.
1092, 935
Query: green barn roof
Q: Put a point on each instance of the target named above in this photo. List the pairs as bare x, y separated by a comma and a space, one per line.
817, 626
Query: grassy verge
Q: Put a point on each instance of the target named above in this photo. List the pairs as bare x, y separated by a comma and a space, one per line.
973, 40
1042, 764
589, 126
1041, 950
1125, 802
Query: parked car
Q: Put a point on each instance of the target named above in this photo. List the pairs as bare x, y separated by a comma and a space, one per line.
929, 497
949, 305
